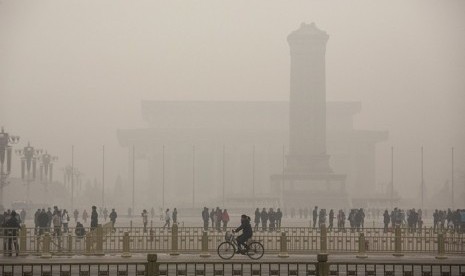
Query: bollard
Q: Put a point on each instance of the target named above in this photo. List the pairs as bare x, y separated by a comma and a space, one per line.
323, 266
361, 246
323, 239
441, 247
204, 252
398, 242
126, 249
153, 268
283, 248
88, 244
70, 245
46, 246
99, 245
22, 240
174, 240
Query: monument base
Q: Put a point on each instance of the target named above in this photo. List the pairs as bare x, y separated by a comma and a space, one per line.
326, 190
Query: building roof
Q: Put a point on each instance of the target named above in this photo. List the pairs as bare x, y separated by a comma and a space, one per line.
237, 114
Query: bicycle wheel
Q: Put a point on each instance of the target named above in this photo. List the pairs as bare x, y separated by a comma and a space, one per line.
226, 250
255, 250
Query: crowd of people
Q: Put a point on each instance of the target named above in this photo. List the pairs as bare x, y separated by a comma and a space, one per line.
219, 218
269, 220
449, 219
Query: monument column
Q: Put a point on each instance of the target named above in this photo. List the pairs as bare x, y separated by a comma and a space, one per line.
307, 118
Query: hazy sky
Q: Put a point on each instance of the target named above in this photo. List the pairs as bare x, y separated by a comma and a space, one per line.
72, 72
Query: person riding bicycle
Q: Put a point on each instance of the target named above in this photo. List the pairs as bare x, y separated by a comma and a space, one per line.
246, 233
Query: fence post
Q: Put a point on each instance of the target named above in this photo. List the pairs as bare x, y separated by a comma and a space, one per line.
174, 240
22, 240
70, 245
89, 244
99, 245
398, 242
323, 239
323, 266
126, 248
204, 252
283, 248
153, 268
361, 246
46, 246
441, 247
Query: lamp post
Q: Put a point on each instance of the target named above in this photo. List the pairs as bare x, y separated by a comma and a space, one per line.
422, 180
72, 176
29, 156
392, 177
46, 168
5, 155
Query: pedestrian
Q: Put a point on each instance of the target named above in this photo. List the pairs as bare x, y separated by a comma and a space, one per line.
205, 218
93, 218
264, 219
22, 214
12, 225
257, 219
218, 216
36, 221
80, 231
225, 219
105, 214
315, 215
56, 218
279, 216
175, 216
213, 218
386, 220
272, 219
145, 219
167, 218
84, 216
76, 215
43, 221
49, 215
113, 217
65, 221
331, 219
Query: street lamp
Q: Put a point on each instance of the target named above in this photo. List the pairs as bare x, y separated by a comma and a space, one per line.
29, 157
5, 155
46, 168
72, 176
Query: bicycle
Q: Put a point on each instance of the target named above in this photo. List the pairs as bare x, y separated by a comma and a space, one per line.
227, 249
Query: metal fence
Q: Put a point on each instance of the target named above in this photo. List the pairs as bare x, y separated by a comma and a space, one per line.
155, 267
79, 269
190, 240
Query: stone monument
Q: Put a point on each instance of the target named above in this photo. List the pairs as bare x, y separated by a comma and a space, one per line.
307, 177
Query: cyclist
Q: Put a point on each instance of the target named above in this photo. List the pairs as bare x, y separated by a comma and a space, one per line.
246, 233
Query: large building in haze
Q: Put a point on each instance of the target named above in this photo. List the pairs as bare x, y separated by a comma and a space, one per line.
203, 152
